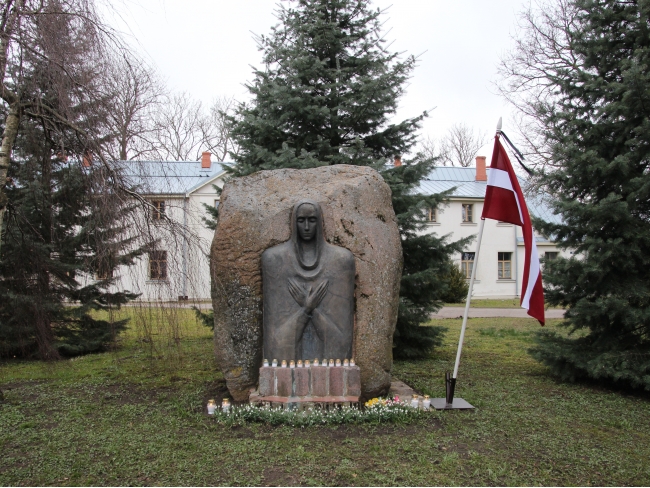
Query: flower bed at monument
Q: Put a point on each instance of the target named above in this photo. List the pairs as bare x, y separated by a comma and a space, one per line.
377, 410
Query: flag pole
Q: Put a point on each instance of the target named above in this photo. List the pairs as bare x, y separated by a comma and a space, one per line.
451, 380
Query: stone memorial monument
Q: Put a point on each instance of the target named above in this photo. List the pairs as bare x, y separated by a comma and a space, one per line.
306, 266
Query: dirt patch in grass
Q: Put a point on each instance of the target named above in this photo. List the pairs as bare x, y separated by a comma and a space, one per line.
20, 391
279, 477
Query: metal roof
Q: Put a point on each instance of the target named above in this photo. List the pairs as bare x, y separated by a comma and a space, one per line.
463, 181
168, 177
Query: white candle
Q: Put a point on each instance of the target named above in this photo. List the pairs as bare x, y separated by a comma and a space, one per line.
316, 362
351, 362
292, 364
307, 363
266, 363
331, 363
346, 362
211, 407
284, 363
225, 405
274, 363
299, 363
338, 362
414, 401
426, 403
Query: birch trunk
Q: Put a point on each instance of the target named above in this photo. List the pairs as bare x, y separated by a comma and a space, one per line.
8, 139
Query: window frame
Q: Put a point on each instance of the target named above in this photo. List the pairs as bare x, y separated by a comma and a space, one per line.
467, 208
466, 265
432, 215
104, 274
501, 265
159, 209
156, 271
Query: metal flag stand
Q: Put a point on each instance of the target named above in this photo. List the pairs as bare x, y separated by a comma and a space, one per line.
449, 402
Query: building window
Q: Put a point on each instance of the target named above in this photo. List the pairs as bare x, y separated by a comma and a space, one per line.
550, 256
467, 263
505, 265
468, 211
216, 204
432, 214
105, 267
104, 274
158, 210
158, 265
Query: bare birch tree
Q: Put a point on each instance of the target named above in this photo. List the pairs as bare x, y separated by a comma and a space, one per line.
429, 148
137, 95
184, 128
216, 132
64, 43
59, 75
530, 72
178, 133
457, 147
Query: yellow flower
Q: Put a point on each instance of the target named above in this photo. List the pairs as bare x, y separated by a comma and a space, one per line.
372, 402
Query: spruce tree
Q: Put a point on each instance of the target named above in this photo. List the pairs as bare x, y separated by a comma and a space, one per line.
325, 96
599, 131
59, 253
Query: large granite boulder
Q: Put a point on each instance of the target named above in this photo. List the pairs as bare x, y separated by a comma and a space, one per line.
255, 213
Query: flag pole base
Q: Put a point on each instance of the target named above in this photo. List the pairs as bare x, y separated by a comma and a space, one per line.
458, 404
449, 402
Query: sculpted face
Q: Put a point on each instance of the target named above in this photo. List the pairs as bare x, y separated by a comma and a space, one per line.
306, 220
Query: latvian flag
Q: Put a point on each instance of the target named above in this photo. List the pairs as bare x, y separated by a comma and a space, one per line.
504, 201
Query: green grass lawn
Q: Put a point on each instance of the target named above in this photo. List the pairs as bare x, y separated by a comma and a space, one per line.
134, 416
490, 303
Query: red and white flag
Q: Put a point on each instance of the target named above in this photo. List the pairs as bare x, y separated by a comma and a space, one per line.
504, 201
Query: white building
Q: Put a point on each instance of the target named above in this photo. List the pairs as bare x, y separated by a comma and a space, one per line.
178, 268
174, 194
501, 260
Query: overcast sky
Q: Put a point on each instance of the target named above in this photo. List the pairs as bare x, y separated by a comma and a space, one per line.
206, 47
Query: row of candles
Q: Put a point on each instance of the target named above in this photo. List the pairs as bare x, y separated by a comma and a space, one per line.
212, 406
306, 364
423, 404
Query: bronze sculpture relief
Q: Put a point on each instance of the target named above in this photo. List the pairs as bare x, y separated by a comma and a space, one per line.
308, 292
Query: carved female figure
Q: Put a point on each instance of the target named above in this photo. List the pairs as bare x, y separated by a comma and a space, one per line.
308, 292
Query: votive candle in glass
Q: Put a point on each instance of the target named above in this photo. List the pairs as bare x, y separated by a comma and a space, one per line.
351, 362
346, 362
331, 363
299, 364
274, 363
292, 364
338, 362
225, 405
316, 363
415, 401
307, 363
212, 405
266, 363
284, 363
426, 403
